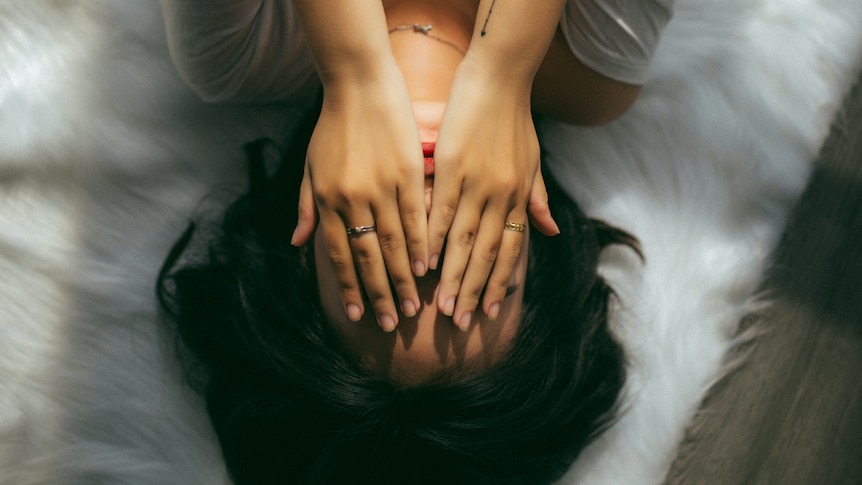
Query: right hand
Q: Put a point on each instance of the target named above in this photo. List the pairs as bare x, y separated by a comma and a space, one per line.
364, 166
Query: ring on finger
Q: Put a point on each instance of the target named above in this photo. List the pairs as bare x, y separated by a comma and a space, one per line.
357, 230
514, 226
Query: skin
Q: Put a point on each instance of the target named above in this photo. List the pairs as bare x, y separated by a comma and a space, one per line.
486, 166
383, 96
425, 344
364, 163
362, 160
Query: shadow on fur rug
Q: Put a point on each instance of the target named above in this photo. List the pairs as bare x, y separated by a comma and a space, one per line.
104, 154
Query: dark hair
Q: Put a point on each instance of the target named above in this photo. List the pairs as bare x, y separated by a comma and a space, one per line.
290, 404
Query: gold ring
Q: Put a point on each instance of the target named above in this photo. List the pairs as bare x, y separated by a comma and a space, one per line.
514, 226
355, 231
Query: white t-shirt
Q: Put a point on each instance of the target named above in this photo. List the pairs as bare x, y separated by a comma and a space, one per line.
616, 38
217, 44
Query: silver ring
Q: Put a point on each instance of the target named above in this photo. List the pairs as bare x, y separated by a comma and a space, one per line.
514, 226
355, 231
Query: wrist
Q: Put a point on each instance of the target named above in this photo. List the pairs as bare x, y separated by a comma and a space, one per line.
382, 85
488, 82
358, 72
510, 39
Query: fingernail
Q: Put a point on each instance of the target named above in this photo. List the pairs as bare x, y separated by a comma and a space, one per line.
464, 324
449, 306
386, 322
293, 237
409, 308
419, 267
494, 311
432, 262
354, 313
556, 227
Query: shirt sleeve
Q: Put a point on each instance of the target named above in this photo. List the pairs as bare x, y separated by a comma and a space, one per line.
616, 38
239, 50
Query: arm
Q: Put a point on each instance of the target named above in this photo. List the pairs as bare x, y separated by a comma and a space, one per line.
364, 163
487, 155
569, 91
614, 41
599, 58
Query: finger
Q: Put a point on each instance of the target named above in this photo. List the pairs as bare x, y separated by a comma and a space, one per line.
393, 248
307, 212
511, 246
340, 255
482, 261
459, 245
444, 203
537, 207
368, 258
411, 205
428, 191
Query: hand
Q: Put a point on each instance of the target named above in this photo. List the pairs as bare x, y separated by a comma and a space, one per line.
538, 209
486, 163
364, 167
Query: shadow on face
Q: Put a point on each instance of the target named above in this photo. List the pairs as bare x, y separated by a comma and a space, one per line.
429, 345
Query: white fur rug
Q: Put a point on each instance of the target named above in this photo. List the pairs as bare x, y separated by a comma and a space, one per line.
104, 154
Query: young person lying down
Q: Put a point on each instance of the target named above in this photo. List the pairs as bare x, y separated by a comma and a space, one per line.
301, 389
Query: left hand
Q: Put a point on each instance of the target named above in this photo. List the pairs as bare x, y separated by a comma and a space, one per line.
486, 162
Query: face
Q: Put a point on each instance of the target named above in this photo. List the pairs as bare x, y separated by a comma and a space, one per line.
429, 344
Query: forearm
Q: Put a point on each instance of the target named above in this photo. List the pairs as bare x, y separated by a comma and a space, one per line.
510, 38
599, 59
348, 39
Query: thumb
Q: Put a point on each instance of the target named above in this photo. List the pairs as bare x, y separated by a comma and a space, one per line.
307, 210
537, 208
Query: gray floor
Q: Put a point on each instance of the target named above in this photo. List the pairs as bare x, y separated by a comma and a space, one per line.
792, 414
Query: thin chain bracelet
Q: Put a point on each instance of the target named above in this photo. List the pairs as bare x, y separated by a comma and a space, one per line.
419, 29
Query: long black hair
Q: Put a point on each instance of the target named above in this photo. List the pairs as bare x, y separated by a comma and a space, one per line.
291, 405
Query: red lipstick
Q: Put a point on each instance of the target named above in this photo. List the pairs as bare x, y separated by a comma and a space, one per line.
428, 153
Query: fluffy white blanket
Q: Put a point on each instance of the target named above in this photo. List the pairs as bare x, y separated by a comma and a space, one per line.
104, 154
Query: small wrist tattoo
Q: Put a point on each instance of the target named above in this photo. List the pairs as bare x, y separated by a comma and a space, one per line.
485, 26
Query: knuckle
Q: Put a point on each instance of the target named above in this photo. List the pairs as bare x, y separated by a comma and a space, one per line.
469, 298
412, 215
447, 212
340, 260
325, 191
351, 191
466, 239
490, 255
513, 253
405, 170
416, 243
364, 258
452, 279
402, 286
349, 293
496, 289
509, 182
389, 242
380, 300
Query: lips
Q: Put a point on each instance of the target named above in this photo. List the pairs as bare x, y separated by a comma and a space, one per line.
428, 153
